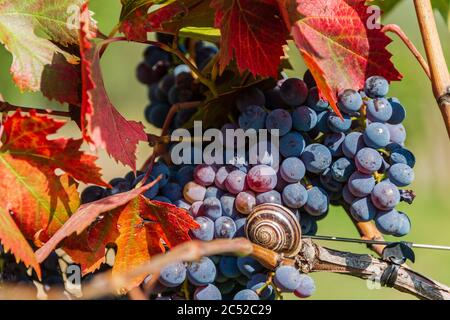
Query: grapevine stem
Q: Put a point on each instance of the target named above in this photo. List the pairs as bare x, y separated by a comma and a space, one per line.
7, 107
399, 32
440, 76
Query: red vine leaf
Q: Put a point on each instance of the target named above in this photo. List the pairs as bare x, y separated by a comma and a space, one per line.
86, 215
39, 200
102, 124
336, 36
12, 239
254, 32
133, 19
137, 229
38, 33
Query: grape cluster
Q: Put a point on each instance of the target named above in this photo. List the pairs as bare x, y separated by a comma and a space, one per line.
170, 81
356, 160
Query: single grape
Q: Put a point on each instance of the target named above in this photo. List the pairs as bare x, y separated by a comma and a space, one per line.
294, 195
294, 92
145, 74
287, 278
401, 174
376, 135
211, 208
173, 191
204, 174
353, 142
250, 97
333, 141
389, 222
361, 184
228, 266
262, 178
307, 223
362, 209
245, 202
271, 196
249, 266
182, 204
246, 294
91, 194
292, 170
119, 185
350, 101
173, 275
194, 192
166, 83
279, 119
252, 117
317, 203
316, 158
404, 225
398, 111
402, 155
378, 110
304, 119
154, 54
342, 168
368, 160
225, 228
206, 230
236, 182
336, 124
201, 272
376, 87
156, 113
292, 144
306, 288
209, 292
194, 210
397, 133
228, 207
315, 102
385, 196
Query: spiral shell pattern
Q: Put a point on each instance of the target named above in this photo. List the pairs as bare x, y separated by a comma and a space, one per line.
274, 227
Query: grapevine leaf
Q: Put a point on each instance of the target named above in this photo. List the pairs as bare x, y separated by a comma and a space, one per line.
13, 239
39, 200
86, 215
137, 229
254, 32
133, 19
102, 124
336, 37
39, 62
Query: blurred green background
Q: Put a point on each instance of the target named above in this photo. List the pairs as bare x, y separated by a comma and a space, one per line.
430, 213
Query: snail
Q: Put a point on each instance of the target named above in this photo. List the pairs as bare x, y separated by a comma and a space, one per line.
274, 227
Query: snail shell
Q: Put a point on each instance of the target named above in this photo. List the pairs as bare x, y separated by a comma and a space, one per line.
274, 227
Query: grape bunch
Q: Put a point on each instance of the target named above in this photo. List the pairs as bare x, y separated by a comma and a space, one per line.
356, 160
170, 81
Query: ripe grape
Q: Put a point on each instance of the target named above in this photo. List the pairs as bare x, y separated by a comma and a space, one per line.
385, 196
204, 174
173, 191
317, 202
193, 192
306, 288
402, 155
336, 124
262, 178
209, 292
211, 208
228, 207
173, 275
206, 230
376, 87
398, 112
245, 202
315, 102
401, 174
390, 222
236, 182
294, 92
253, 117
362, 209
368, 160
353, 142
246, 294
347, 195
333, 141
342, 168
292, 170
224, 228
316, 158
292, 144
271, 196
91, 194
350, 101
361, 184
287, 278
294, 195
397, 133
378, 110
279, 119
376, 135
201, 272
304, 119
228, 267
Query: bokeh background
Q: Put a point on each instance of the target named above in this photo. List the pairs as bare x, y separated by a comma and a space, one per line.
427, 138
